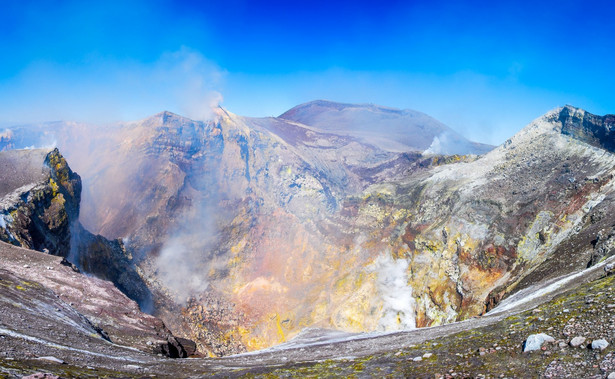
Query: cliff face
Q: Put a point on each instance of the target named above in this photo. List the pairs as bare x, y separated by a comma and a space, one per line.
249, 230
40, 200
594, 130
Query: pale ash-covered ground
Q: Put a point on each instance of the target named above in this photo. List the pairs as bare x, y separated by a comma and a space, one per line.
94, 306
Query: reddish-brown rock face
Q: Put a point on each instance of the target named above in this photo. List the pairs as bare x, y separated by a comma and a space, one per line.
70, 302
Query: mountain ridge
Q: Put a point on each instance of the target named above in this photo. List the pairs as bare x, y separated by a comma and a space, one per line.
340, 106
282, 225
400, 130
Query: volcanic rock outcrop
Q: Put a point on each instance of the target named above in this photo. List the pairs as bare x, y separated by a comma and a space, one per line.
40, 199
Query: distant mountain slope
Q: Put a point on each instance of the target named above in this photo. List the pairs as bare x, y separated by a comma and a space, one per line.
388, 128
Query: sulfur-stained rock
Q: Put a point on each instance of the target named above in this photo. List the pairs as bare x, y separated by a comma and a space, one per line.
40, 198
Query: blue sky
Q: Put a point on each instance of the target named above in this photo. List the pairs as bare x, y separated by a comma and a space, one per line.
484, 68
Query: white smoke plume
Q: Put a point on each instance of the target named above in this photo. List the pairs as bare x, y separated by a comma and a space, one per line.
177, 269
189, 255
447, 143
192, 80
436, 146
103, 91
399, 307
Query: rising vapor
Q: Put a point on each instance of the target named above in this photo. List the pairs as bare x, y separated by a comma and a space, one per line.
109, 90
399, 307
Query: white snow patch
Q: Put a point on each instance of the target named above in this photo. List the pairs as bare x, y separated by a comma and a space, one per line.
528, 294
399, 307
41, 341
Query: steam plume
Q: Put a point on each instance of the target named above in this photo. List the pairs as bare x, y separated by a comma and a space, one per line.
399, 307
109, 90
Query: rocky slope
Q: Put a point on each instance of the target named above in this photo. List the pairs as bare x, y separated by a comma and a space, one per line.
46, 298
38, 209
476, 229
488, 346
249, 230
